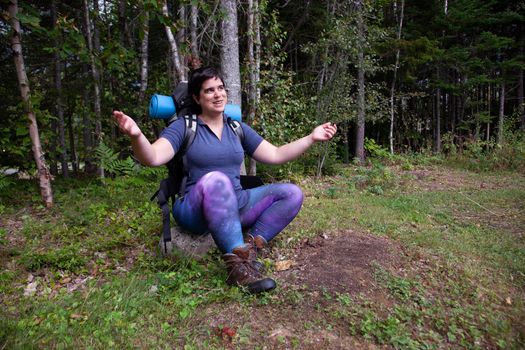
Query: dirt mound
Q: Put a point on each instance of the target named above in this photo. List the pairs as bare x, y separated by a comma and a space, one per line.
342, 263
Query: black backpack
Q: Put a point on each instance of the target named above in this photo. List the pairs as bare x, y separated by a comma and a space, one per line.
175, 185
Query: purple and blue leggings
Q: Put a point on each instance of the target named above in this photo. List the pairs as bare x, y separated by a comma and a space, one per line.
212, 206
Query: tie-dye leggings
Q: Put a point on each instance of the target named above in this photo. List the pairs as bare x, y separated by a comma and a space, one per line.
212, 206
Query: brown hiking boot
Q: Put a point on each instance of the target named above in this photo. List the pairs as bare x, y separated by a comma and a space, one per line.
241, 271
257, 243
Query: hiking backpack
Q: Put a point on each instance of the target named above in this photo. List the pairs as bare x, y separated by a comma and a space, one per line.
174, 186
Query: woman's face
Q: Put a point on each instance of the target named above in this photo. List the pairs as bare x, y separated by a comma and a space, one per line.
212, 97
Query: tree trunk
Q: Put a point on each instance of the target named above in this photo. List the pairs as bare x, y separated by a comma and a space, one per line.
230, 52
144, 58
230, 66
488, 108
53, 148
453, 113
59, 104
44, 176
194, 16
437, 124
96, 80
360, 132
125, 35
393, 86
501, 114
71, 132
344, 130
174, 49
87, 125
253, 50
521, 106
181, 38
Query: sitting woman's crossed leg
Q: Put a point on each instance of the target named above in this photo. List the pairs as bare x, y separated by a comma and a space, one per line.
212, 206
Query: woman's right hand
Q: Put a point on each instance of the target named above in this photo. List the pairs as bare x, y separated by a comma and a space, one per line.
126, 124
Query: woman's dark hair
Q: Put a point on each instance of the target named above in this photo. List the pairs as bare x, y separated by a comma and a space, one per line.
199, 76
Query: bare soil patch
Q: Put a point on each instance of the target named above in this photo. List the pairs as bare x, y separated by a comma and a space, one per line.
448, 179
342, 263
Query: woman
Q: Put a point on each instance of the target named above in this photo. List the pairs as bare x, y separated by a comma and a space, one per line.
214, 200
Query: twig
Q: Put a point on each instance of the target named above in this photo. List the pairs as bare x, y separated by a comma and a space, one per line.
473, 201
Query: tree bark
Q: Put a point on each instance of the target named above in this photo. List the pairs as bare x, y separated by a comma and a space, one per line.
72, 147
437, 123
230, 66
360, 132
144, 58
174, 49
44, 176
393, 86
521, 106
96, 80
125, 35
194, 16
230, 51
181, 38
488, 108
59, 103
501, 114
87, 125
253, 98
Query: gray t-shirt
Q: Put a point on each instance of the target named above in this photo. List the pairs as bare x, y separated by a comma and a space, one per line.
207, 153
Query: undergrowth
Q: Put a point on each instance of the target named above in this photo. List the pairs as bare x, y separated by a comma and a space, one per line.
86, 273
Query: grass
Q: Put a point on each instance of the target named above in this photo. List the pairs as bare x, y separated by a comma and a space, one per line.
100, 284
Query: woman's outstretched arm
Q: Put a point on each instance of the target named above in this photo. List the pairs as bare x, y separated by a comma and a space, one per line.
158, 153
270, 154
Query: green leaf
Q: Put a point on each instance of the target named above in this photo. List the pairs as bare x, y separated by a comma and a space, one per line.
29, 20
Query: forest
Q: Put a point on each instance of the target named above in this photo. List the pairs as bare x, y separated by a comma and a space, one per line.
417, 77
425, 177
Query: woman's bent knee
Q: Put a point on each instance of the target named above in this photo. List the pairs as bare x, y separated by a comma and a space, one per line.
215, 179
216, 186
295, 194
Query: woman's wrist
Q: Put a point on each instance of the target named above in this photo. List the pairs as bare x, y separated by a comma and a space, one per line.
136, 136
311, 139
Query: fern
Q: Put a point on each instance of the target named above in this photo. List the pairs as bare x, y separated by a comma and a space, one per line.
5, 181
108, 159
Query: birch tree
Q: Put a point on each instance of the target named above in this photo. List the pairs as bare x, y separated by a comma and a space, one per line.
44, 176
176, 60
396, 66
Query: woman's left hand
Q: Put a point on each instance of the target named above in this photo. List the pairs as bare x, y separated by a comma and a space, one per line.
324, 132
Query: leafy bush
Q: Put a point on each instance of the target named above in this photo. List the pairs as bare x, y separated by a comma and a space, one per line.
5, 181
376, 179
479, 155
375, 150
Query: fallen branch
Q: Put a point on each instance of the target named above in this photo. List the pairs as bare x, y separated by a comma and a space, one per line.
473, 201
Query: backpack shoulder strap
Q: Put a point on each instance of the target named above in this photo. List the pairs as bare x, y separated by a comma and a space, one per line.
167, 186
189, 136
190, 130
237, 129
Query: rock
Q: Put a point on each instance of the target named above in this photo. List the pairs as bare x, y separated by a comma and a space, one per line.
186, 244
